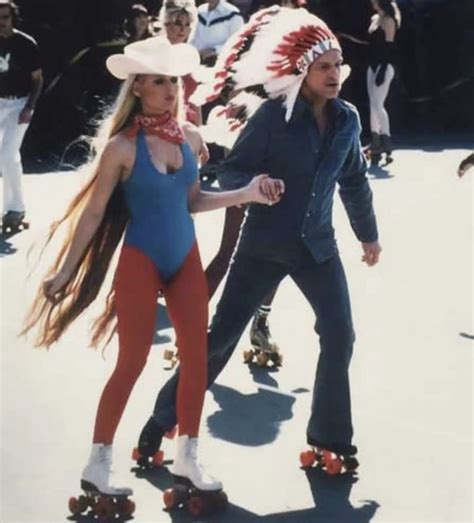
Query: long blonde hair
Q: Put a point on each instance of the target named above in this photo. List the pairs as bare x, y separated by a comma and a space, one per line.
86, 281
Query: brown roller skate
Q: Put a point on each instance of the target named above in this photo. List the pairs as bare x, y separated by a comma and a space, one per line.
264, 349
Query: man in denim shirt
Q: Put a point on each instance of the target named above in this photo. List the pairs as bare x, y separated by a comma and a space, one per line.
311, 151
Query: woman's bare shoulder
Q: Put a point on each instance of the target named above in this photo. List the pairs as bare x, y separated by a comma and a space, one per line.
193, 136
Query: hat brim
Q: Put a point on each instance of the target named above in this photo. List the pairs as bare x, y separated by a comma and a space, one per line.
184, 60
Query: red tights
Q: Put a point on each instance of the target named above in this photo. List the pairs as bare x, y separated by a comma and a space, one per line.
137, 284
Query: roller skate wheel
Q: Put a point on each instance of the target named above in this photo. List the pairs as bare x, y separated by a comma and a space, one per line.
158, 458
171, 433
76, 507
105, 508
168, 354
333, 466
262, 359
126, 508
248, 356
136, 454
277, 359
170, 498
307, 458
195, 505
351, 463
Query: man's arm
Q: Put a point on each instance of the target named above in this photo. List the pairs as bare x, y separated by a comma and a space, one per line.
36, 86
355, 192
249, 154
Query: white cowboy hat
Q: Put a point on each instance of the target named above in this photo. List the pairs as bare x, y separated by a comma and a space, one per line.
154, 55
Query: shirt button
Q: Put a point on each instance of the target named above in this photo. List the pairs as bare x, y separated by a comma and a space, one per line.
303, 235
308, 214
313, 194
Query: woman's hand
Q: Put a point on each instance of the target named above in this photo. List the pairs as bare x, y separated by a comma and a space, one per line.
53, 287
266, 190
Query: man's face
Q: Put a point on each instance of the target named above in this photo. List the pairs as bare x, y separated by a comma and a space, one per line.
324, 76
6, 20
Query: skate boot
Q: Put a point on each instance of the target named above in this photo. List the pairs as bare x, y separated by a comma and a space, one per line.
101, 495
331, 461
13, 222
148, 453
386, 147
375, 152
194, 490
264, 348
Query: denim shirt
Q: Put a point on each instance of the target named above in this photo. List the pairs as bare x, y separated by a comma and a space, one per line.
310, 166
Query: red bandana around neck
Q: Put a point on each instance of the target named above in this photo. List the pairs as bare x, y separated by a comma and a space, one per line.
164, 125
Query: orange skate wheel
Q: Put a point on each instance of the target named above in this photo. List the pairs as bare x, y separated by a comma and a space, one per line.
136, 454
75, 506
171, 433
195, 505
262, 359
170, 498
126, 507
105, 508
158, 458
307, 458
168, 354
248, 356
333, 466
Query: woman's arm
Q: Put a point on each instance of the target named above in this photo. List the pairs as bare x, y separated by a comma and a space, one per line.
109, 172
261, 189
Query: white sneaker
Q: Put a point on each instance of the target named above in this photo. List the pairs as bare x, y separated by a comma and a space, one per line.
99, 474
186, 465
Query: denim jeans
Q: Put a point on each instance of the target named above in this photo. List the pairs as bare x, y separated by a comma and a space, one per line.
324, 286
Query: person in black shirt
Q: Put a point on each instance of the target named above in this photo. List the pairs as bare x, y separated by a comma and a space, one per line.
380, 73
20, 86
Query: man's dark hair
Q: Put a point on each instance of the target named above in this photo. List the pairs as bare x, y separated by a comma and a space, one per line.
15, 12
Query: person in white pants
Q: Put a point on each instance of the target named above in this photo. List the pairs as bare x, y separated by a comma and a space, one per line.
380, 73
20, 87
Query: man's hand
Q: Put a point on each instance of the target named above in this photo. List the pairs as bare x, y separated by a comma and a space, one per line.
25, 115
272, 189
263, 189
372, 252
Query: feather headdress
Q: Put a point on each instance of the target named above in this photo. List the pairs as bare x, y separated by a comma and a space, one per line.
274, 51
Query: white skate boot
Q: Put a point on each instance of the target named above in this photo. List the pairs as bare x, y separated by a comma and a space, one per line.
98, 474
186, 466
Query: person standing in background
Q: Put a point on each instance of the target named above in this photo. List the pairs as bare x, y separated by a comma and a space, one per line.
380, 73
137, 24
21, 80
218, 20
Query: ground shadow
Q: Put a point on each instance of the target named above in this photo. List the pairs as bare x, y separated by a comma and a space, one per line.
6, 246
249, 419
377, 172
330, 496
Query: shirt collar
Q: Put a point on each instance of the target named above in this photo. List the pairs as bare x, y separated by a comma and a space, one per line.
302, 107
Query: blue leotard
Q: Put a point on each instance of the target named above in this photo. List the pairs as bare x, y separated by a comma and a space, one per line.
160, 223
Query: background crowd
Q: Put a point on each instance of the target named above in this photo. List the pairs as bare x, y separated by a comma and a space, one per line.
431, 93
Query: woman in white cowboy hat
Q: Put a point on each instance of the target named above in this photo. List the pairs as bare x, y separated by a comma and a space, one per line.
144, 183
